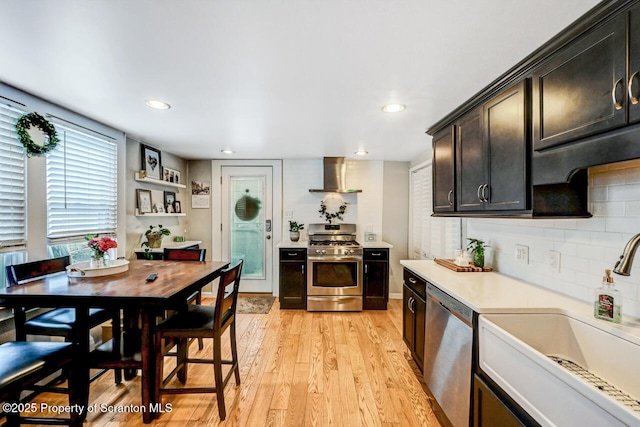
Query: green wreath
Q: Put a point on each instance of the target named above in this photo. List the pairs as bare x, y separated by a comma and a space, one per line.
34, 119
330, 216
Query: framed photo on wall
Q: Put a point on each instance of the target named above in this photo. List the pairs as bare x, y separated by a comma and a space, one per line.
169, 199
144, 201
151, 162
170, 175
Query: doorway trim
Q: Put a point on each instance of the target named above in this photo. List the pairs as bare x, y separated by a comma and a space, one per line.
216, 211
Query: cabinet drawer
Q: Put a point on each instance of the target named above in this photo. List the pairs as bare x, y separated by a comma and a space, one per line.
293, 254
415, 283
376, 254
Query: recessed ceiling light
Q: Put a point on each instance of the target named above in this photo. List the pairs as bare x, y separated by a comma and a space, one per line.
157, 104
361, 153
227, 151
393, 108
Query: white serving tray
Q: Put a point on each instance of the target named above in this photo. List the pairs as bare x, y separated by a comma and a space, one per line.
84, 269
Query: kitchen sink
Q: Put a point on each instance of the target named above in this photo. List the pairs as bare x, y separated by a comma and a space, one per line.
561, 370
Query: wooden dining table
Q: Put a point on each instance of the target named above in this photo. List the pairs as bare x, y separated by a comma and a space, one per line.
129, 291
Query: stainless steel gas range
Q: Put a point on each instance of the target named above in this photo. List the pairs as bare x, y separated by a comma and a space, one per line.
334, 260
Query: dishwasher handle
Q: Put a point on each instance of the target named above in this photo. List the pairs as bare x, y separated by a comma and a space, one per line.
451, 304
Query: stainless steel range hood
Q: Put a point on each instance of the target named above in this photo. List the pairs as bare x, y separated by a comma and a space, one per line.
334, 176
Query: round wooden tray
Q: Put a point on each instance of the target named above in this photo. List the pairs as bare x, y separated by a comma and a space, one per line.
84, 269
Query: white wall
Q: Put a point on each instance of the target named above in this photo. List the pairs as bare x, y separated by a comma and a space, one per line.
382, 207
363, 209
587, 246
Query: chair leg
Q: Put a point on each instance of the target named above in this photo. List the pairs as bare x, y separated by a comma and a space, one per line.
199, 302
116, 332
234, 351
217, 372
159, 367
13, 417
181, 360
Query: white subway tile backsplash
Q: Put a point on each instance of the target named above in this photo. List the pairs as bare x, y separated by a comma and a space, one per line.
587, 246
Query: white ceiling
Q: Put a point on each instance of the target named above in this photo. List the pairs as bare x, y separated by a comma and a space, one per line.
271, 78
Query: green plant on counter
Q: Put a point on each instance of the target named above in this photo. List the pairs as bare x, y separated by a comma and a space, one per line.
477, 247
294, 226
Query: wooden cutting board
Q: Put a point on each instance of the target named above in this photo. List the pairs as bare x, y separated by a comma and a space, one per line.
452, 266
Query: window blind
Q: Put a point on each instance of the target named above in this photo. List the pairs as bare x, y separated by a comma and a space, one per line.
13, 211
431, 237
81, 184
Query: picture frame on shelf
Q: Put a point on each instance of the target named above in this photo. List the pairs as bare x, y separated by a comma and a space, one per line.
158, 208
169, 199
144, 201
151, 161
170, 175
176, 207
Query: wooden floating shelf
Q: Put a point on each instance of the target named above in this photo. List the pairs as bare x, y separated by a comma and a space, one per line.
158, 181
162, 214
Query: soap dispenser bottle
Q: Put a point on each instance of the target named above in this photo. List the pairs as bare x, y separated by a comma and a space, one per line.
608, 301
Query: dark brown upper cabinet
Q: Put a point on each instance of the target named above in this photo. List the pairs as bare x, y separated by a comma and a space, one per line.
582, 89
633, 85
492, 154
443, 171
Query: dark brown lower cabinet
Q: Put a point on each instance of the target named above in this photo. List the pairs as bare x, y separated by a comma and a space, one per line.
413, 315
376, 279
490, 411
293, 278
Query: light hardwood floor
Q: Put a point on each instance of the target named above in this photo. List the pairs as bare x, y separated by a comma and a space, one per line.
297, 369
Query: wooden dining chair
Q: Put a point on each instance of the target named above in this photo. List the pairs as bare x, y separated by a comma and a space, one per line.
202, 322
188, 255
59, 321
22, 365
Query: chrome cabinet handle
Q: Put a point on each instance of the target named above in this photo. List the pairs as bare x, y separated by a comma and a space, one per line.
412, 280
302, 269
616, 104
449, 198
484, 197
409, 304
478, 192
366, 270
633, 99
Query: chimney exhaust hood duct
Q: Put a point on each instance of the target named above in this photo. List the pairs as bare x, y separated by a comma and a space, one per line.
334, 176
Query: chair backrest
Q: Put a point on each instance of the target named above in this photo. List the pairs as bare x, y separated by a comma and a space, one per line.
185, 254
18, 274
227, 299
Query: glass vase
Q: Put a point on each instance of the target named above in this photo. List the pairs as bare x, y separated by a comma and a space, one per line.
478, 257
97, 261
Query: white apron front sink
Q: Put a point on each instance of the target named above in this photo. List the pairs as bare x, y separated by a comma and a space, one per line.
520, 352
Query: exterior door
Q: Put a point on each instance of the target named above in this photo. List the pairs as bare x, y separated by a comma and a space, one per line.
247, 226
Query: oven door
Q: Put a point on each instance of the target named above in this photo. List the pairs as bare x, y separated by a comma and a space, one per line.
334, 276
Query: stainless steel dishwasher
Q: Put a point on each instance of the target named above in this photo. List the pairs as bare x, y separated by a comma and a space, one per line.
448, 354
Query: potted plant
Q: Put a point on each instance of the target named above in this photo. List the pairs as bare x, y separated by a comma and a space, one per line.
477, 247
294, 230
154, 236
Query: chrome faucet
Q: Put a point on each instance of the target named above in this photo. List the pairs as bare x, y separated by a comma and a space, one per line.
623, 266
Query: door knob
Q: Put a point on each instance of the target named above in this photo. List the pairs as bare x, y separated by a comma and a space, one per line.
268, 236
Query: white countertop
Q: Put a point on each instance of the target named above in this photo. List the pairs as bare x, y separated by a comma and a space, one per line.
493, 292
170, 244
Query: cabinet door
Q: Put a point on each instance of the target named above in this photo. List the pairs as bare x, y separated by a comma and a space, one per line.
407, 317
420, 308
293, 291
507, 149
581, 90
488, 410
443, 171
376, 285
470, 161
633, 86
